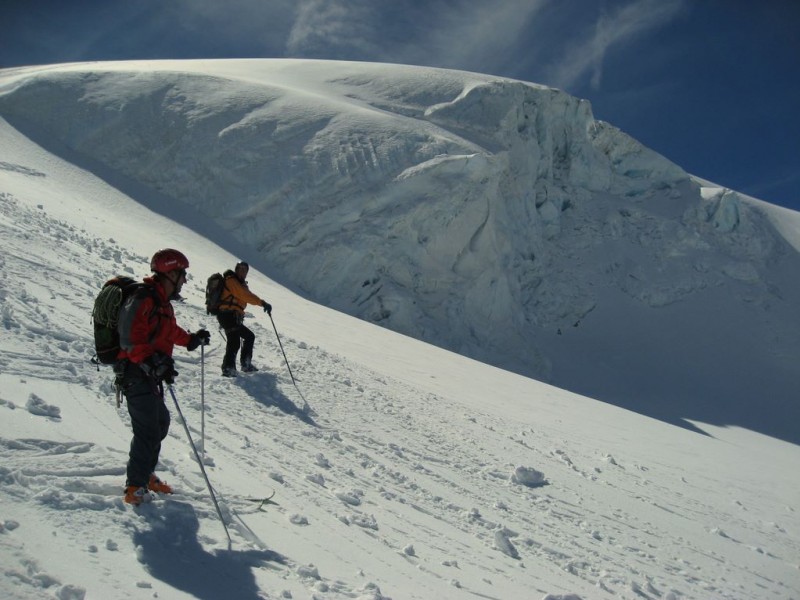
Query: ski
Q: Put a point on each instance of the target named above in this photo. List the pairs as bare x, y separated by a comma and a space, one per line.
262, 501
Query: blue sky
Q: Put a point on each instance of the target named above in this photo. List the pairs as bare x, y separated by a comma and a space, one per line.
714, 85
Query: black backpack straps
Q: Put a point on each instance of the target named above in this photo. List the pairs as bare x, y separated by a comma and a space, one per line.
230, 299
127, 314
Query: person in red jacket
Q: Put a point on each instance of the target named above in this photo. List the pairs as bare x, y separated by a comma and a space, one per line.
148, 333
231, 318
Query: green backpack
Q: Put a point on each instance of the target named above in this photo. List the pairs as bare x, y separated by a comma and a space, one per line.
105, 316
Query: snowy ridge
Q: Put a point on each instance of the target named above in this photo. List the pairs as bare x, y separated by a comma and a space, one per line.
424, 474
492, 217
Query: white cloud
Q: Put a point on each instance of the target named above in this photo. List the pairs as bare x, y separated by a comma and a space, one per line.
622, 26
465, 35
333, 29
479, 36
502, 37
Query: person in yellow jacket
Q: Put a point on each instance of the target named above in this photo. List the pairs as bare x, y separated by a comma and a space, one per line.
235, 298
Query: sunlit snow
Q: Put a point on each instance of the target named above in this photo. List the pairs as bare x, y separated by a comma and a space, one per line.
491, 217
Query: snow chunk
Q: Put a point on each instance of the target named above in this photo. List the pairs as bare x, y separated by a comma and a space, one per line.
316, 478
365, 522
37, 406
296, 519
502, 543
9, 525
372, 592
353, 498
71, 592
528, 476
308, 572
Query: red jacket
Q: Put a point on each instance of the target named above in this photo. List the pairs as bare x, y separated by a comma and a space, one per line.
147, 324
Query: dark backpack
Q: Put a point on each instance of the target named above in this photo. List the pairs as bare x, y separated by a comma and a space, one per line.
215, 289
105, 316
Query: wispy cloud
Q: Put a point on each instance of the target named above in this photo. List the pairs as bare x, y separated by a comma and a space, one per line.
586, 57
563, 44
335, 29
480, 36
558, 43
456, 34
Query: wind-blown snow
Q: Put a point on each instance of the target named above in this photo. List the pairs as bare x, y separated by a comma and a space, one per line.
423, 473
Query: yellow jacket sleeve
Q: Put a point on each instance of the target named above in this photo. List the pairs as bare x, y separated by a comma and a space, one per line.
241, 296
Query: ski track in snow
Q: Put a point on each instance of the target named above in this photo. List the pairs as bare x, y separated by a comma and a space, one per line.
379, 466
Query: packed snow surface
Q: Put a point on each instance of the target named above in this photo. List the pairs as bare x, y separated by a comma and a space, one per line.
419, 473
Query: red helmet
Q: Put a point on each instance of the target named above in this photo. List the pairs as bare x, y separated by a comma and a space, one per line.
168, 260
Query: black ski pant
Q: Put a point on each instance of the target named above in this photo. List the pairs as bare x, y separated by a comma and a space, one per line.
238, 336
149, 420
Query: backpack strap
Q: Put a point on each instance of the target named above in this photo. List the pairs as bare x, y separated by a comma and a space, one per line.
230, 299
142, 291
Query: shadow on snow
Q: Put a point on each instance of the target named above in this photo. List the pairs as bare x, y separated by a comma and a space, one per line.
170, 551
263, 388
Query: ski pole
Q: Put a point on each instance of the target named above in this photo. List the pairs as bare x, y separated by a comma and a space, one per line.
203, 400
306, 407
202, 468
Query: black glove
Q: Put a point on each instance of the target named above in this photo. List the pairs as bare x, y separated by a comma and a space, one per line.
267, 307
161, 368
200, 338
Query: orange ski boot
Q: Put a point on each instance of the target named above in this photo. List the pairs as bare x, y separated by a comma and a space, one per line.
137, 495
158, 486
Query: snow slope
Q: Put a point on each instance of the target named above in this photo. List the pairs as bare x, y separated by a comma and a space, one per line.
491, 217
422, 474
